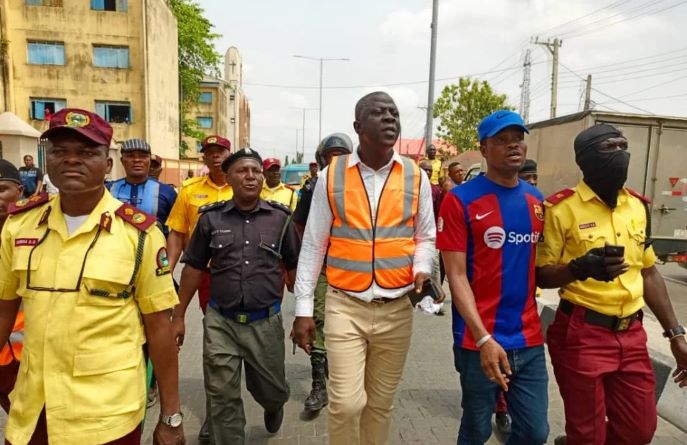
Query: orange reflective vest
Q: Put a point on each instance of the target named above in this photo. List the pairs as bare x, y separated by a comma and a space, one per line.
362, 251
12, 350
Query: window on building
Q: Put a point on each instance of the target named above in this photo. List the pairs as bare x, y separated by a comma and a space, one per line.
199, 146
205, 97
109, 5
46, 53
232, 97
115, 112
111, 56
41, 109
204, 121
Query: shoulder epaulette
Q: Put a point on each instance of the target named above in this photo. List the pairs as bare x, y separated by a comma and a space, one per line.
211, 206
137, 218
190, 181
280, 206
636, 194
29, 203
559, 196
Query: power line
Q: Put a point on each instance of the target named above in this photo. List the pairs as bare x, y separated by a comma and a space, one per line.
641, 59
606, 95
627, 19
623, 77
656, 86
563, 25
414, 82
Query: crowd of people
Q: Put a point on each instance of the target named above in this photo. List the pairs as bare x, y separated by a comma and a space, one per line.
88, 304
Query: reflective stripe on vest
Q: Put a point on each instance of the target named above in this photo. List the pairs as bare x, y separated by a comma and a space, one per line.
362, 251
13, 350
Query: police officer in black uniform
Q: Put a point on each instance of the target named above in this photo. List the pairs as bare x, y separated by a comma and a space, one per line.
335, 144
245, 241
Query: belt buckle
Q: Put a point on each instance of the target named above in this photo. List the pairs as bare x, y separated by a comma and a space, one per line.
242, 318
622, 324
377, 301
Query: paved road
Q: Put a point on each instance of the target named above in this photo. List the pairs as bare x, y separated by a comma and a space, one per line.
427, 409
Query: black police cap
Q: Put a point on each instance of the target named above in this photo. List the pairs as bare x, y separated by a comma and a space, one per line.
8, 172
243, 153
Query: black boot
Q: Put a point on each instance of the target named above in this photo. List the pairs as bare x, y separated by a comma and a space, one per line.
318, 396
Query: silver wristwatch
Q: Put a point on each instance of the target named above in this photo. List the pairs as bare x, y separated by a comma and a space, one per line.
174, 420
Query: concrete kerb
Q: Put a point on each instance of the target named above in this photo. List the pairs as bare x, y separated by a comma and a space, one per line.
671, 400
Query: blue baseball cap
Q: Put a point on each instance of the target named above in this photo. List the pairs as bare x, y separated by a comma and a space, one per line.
497, 121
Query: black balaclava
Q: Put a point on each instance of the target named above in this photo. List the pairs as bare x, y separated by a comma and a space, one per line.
605, 173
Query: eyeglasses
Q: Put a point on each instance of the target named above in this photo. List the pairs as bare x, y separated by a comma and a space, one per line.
96, 292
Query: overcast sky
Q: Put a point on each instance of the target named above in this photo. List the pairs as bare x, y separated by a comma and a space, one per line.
633, 48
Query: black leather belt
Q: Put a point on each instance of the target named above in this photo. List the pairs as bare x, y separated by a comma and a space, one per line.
610, 322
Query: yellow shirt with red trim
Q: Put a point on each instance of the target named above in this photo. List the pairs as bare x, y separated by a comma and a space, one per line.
282, 194
196, 193
436, 169
575, 221
82, 358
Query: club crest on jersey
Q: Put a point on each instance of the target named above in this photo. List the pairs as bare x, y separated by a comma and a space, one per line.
539, 212
440, 224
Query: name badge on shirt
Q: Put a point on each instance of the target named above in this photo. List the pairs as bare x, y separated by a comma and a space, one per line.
25, 242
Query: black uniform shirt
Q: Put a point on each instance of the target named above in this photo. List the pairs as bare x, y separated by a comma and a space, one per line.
300, 215
242, 249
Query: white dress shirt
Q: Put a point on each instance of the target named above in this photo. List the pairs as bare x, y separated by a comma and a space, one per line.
317, 232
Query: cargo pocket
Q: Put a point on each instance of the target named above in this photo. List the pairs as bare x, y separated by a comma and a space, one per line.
106, 282
20, 265
107, 383
590, 238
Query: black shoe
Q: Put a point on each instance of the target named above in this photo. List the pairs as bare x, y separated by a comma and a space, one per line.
317, 399
503, 423
560, 440
204, 434
273, 420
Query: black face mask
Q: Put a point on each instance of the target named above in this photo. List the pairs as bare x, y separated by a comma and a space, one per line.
605, 173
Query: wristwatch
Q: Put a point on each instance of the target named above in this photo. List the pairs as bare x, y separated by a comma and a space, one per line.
678, 330
174, 420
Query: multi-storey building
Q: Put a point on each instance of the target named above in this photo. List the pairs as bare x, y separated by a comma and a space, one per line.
115, 57
223, 107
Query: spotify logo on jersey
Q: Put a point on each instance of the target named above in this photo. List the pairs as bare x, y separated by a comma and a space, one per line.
494, 237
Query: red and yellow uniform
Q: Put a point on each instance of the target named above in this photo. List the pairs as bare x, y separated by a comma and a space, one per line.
83, 295
195, 193
597, 342
436, 170
577, 222
282, 194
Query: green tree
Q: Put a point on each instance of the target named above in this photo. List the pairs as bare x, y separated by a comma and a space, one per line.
461, 107
197, 57
299, 158
286, 161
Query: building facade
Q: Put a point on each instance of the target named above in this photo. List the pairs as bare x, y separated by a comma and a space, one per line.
115, 57
223, 107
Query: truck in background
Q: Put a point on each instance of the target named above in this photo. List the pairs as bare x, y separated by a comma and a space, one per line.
658, 167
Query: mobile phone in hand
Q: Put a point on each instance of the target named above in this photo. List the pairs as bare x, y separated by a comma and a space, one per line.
612, 250
428, 288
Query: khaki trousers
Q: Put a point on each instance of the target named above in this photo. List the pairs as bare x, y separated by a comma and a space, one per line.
367, 346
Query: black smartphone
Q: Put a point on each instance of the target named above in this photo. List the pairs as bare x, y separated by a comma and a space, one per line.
611, 250
428, 288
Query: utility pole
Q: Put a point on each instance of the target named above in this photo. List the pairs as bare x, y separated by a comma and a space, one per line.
525, 87
432, 64
321, 60
553, 48
588, 93
303, 130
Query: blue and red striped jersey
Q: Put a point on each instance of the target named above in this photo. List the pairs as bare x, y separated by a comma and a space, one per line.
498, 229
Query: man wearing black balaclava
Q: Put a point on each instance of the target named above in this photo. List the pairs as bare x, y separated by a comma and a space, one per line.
596, 248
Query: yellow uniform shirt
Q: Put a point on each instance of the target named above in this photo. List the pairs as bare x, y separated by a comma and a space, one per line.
436, 170
581, 222
82, 356
282, 194
193, 195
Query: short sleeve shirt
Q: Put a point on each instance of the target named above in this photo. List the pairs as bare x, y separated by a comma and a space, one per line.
29, 179
498, 228
580, 221
197, 193
82, 356
243, 249
282, 194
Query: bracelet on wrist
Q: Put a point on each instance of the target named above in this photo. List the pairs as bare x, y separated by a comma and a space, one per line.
479, 343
